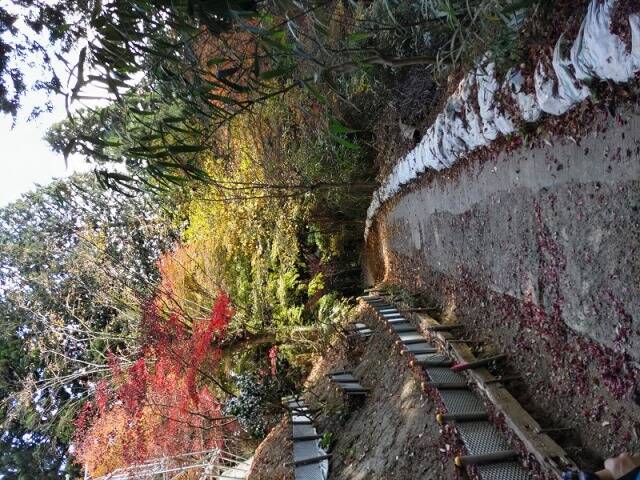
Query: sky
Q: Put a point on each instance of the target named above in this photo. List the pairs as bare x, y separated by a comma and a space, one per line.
26, 157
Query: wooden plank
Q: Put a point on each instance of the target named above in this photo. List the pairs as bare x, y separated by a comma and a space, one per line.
464, 460
444, 328
304, 438
417, 310
546, 451
308, 461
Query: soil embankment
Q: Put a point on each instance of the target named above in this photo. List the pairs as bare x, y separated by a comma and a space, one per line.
391, 434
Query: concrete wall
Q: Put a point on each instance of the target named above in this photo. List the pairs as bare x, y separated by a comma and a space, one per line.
557, 225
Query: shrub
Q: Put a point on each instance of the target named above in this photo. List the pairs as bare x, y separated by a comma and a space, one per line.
257, 406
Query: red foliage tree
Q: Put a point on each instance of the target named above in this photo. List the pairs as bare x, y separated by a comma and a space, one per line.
159, 405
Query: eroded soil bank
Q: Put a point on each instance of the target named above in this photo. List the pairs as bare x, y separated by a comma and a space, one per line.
537, 251
390, 434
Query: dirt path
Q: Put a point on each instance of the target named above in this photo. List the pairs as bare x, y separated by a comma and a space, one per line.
538, 251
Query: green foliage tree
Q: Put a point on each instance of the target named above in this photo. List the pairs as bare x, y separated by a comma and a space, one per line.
30, 31
22, 455
101, 42
177, 72
155, 143
220, 59
74, 260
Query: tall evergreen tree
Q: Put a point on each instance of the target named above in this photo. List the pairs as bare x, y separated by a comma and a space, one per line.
76, 260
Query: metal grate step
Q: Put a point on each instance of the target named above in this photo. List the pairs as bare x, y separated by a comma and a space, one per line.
403, 328
303, 430
314, 463
316, 471
303, 449
395, 321
445, 375
481, 437
348, 383
343, 377
411, 336
380, 306
389, 310
432, 360
462, 401
418, 347
504, 471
